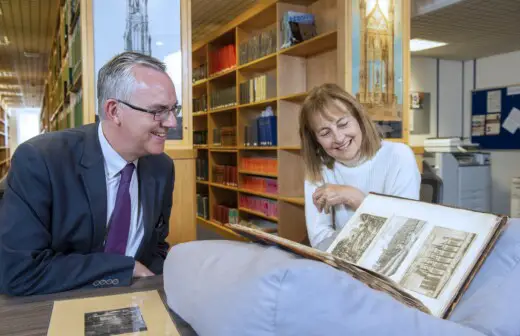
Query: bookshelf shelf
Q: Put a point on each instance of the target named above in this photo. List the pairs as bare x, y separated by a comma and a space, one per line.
223, 109
220, 229
259, 65
260, 104
223, 186
223, 74
293, 200
297, 97
258, 214
199, 114
258, 148
248, 172
317, 45
258, 193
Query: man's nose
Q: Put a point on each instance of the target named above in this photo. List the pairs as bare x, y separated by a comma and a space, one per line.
171, 122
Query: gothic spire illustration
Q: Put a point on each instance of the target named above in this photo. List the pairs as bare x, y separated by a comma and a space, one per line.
137, 37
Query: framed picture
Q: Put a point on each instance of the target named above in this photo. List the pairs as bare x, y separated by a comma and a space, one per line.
153, 28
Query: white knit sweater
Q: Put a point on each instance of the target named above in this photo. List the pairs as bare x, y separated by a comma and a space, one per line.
393, 170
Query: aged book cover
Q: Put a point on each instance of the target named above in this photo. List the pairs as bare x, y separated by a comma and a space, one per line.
139, 313
424, 255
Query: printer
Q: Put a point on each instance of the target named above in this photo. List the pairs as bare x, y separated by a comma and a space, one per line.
465, 172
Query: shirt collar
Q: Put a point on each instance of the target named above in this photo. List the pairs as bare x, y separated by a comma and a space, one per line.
114, 163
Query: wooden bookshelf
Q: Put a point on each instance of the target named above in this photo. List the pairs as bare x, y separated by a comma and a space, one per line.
5, 153
62, 105
281, 76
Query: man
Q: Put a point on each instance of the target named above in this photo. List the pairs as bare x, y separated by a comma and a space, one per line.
90, 207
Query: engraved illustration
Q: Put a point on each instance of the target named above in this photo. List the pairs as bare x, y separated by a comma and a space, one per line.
399, 246
437, 261
114, 322
353, 246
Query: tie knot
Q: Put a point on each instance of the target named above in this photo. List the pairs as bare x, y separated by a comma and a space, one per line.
126, 173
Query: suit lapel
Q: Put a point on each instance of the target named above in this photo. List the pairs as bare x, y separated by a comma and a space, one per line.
147, 195
93, 177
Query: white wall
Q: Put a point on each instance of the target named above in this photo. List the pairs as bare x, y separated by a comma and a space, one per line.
500, 70
24, 124
443, 79
451, 82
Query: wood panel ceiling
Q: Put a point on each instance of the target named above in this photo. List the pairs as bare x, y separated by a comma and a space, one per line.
210, 15
26, 34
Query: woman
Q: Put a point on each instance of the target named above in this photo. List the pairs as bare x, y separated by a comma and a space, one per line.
345, 159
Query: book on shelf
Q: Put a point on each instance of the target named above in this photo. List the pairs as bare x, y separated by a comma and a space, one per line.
297, 27
422, 254
222, 59
258, 88
262, 131
257, 46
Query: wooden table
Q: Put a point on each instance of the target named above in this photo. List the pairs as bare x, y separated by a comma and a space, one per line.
30, 315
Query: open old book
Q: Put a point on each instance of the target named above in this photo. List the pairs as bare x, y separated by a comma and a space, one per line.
422, 254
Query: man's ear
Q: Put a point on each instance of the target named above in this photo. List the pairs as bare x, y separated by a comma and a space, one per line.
111, 111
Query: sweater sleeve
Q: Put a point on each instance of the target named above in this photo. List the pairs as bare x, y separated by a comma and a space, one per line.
320, 228
404, 178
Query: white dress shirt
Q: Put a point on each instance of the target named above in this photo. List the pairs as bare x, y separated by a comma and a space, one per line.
114, 163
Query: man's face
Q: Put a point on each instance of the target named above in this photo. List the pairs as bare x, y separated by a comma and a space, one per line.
141, 132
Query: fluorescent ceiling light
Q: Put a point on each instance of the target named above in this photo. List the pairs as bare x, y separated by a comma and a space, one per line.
420, 44
159, 43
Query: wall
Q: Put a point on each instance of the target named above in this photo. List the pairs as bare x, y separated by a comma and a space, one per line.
450, 84
23, 125
500, 70
443, 79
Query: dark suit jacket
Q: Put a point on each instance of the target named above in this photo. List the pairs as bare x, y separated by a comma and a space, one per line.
53, 216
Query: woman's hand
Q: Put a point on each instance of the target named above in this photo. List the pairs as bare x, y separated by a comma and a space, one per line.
329, 195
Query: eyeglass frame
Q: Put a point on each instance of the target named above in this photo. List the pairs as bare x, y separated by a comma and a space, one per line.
176, 110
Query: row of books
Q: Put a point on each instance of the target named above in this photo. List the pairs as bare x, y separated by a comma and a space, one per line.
262, 205
201, 165
222, 59
200, 104
225, 214
200, 137
203, 205
224, 136
224, 97
261, 184
225, 174
200, 72
258, 45
258, 88
267, 165
262, 131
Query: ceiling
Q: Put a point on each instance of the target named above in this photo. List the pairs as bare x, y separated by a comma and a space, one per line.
472, 29
209, 15
26, 30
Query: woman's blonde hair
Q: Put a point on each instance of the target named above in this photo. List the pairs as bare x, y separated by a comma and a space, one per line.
320, 100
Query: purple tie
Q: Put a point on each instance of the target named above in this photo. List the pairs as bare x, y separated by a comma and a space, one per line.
120, 219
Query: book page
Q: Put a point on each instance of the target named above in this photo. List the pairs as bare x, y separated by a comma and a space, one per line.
427, 249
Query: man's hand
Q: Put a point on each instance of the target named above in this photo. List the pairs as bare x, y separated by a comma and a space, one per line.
140, 271
329, 195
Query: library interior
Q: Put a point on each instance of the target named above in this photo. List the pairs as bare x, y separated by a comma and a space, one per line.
423, 214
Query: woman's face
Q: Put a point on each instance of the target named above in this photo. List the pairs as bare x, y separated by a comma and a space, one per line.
338, 133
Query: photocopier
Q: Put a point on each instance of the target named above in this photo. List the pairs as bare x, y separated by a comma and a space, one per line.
465, 172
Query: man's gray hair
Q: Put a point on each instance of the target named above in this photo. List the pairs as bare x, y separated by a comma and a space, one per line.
116, 80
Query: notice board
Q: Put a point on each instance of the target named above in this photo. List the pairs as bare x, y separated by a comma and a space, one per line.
495, 117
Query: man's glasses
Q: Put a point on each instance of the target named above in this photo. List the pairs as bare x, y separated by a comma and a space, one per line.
158, 115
